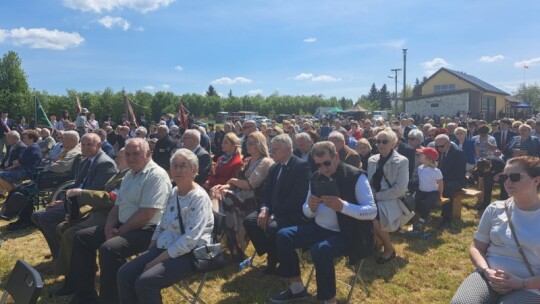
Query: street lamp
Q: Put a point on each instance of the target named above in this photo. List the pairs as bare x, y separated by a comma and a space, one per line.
395, 89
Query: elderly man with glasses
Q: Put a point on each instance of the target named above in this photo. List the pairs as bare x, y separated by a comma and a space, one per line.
248, 127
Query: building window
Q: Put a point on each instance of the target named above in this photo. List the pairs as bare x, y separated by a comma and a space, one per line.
441, 88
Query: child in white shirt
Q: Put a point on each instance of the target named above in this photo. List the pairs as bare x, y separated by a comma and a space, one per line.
430, 189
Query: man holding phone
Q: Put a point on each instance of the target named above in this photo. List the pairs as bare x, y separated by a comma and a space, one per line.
343, 225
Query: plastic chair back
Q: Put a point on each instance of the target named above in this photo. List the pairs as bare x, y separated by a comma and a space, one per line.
24, 284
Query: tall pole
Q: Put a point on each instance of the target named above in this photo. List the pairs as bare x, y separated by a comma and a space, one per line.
395, 89
404, 75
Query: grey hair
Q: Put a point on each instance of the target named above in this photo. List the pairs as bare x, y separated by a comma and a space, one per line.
336, 134
143, 144
284, 140
417, 134
187, 154
442, 136
163, 127
303, 136
46, 131
195, 133
72, 134
142, 130
14, 133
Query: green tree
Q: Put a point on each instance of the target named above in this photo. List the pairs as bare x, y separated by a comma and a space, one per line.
14, 91
384, 97
373, 94
530, 94
211, 91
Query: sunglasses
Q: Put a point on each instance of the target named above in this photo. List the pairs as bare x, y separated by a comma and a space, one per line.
440, 147
383, 141
325, 163
514, 177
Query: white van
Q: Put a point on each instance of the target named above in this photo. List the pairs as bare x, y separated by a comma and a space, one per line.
380, 114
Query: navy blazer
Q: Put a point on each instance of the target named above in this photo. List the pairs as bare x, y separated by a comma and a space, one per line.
410, 153
205, 165
287, 197
310, 160
509, 136
454, 167
15, 151
532, 145
470, 151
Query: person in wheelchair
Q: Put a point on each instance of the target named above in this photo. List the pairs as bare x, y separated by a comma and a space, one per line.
186, 224
64, 162
92, 173
23, 168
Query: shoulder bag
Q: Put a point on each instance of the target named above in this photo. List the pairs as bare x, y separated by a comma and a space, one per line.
407, 199
208, 257
514, 236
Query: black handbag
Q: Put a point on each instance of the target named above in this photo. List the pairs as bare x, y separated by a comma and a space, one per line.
208, 257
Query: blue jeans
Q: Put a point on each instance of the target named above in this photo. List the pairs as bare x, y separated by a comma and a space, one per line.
325, 245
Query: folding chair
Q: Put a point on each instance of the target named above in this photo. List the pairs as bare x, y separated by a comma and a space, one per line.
24, 284
357, 268
183, 287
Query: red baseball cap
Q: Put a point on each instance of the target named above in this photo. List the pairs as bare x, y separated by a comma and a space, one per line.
429, 152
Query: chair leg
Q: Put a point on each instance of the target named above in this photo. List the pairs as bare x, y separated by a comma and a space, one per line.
357, 277
189, 294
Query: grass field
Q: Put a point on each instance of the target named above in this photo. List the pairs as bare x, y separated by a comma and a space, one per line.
425, 271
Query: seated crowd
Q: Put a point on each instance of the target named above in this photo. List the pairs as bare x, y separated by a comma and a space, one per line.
150, 190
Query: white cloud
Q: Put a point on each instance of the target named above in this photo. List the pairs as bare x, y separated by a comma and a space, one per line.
490, 59
149, 88
527, 62
110, 22
166, 86
303, 76
310, 39
98, 6
320, 78
433, 65
139, 29
41, 38
179, 68
227, 80
325, 78
255, 92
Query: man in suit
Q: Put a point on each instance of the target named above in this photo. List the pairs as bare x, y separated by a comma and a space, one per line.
93, 172
105, 145
6, 125
97, 204
452, 162
64, 163
505, 135
346, 154
303, 149
192, 140
248, 127
164, 148
14, 149
281, 205
404, 149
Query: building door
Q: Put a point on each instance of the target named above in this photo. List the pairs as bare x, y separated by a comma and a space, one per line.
489, 108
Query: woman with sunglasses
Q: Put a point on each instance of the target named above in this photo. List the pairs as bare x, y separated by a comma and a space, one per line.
388, 173
504, 274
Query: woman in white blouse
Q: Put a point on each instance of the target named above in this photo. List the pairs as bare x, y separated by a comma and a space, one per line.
168, 261
502, 274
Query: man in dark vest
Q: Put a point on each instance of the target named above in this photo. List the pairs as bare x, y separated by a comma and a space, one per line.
343, 225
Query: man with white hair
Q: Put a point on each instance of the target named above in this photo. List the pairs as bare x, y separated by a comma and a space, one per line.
47, 142
248, 127
346, 154
303, 149
192, 140
164, 148
285, 193
14, 148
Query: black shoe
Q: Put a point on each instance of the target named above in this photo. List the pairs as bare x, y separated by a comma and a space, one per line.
86, 298
288, 297
382, 260
270, 270
62, 291
445, 225
18, 225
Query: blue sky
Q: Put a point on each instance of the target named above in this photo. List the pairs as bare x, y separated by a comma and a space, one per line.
335, 47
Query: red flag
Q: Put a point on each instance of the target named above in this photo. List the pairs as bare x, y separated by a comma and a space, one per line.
78, 107
525, 66
182, 116
128, 110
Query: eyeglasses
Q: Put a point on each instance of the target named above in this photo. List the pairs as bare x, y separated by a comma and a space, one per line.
514, 177
411, 138
325, 163
440, 147
383, 141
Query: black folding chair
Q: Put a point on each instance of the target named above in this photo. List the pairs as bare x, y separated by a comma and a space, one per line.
24, 284
357, 268
183, 288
